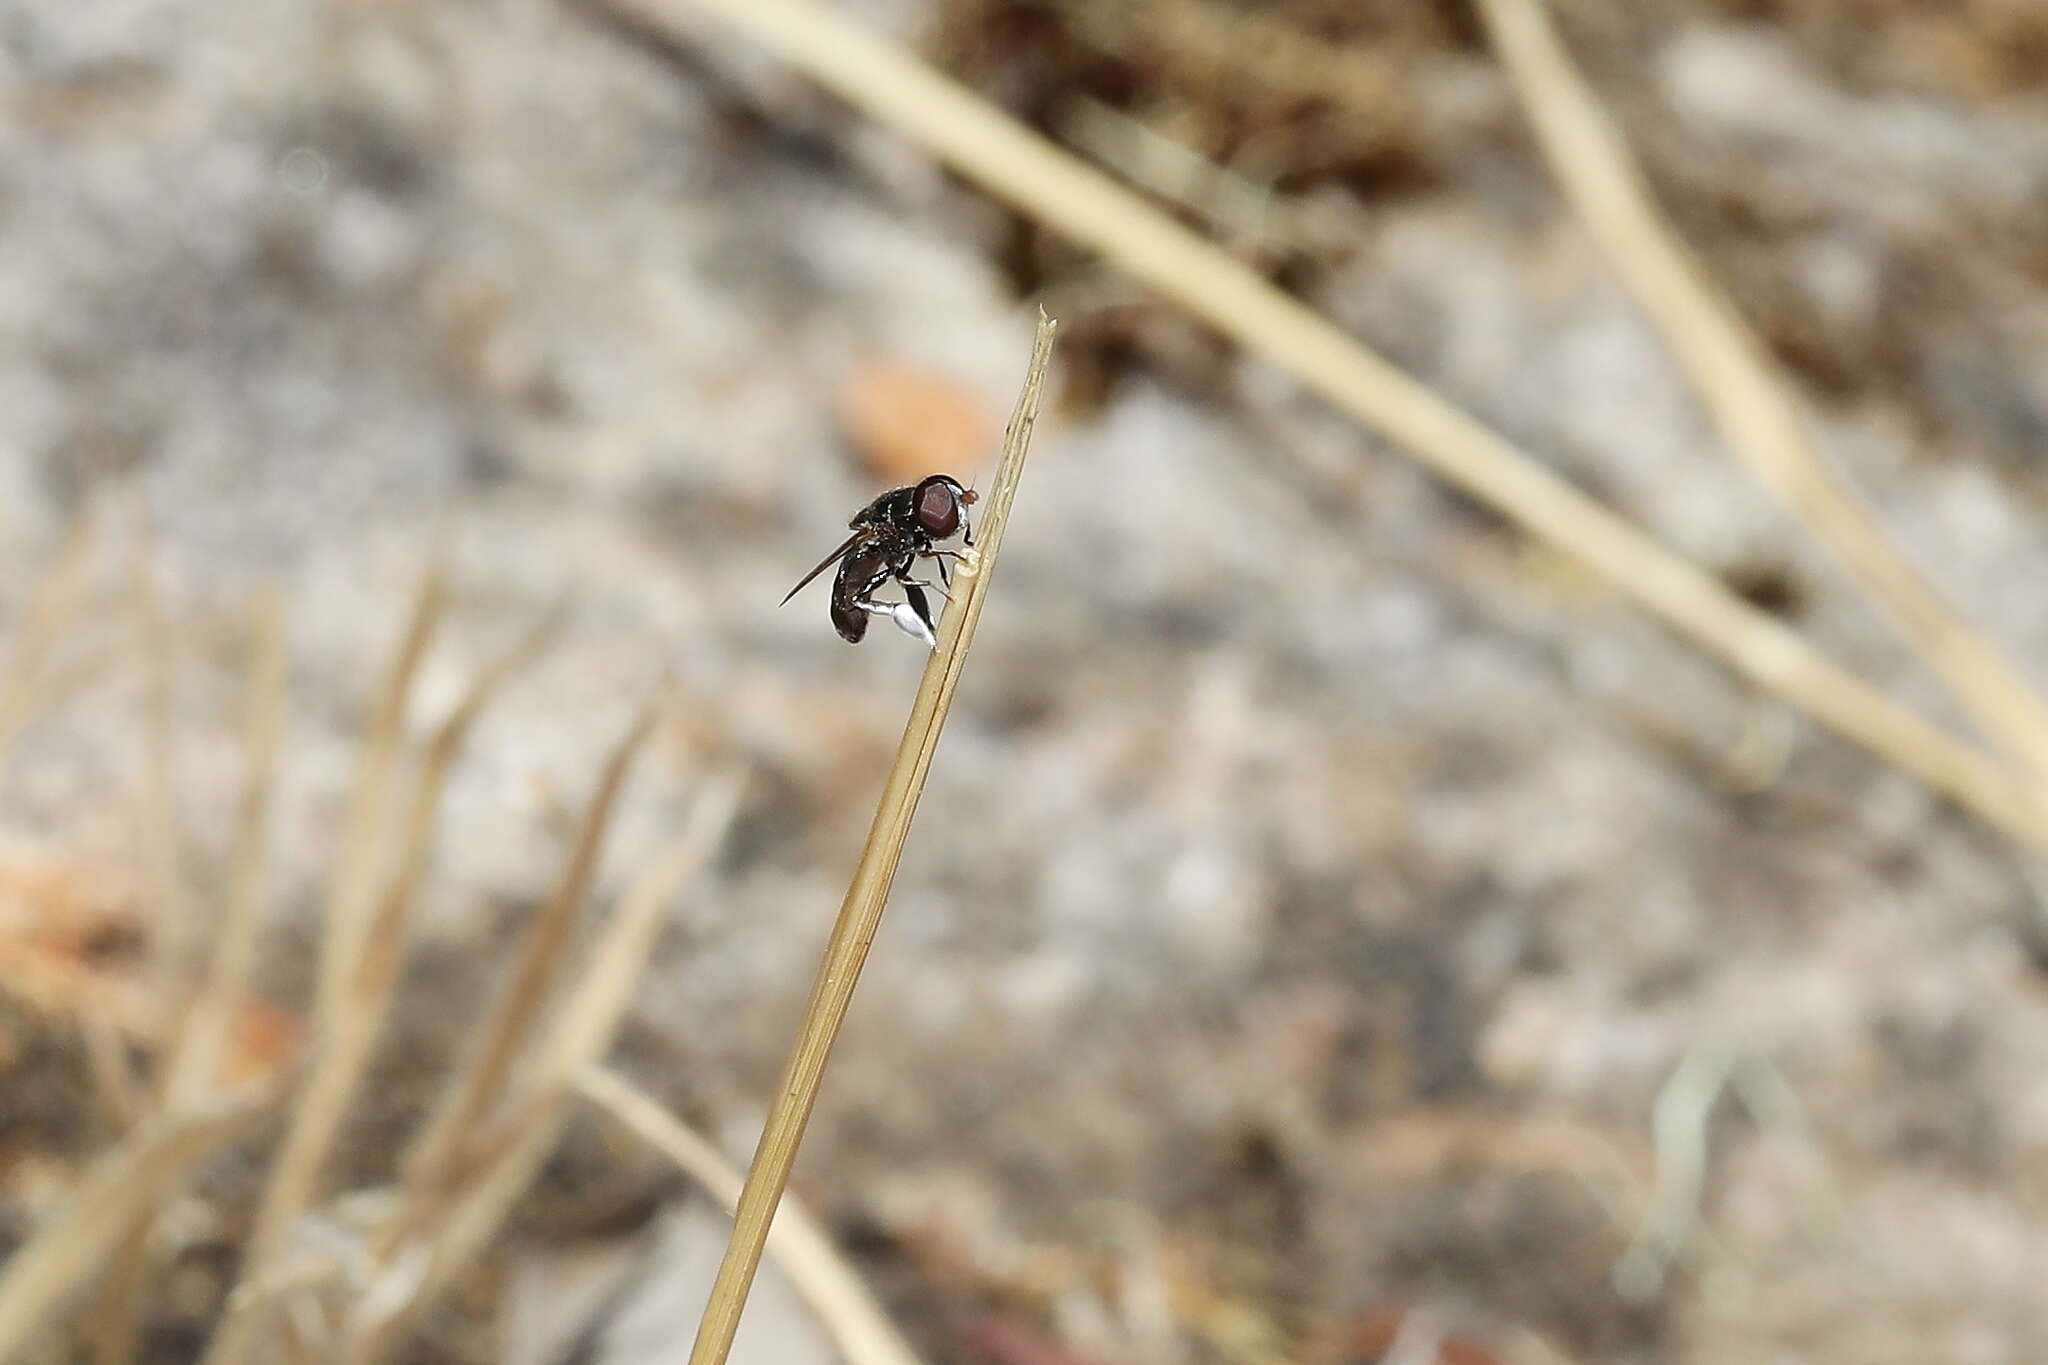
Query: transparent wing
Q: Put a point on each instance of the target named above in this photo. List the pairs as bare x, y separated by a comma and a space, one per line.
827, 562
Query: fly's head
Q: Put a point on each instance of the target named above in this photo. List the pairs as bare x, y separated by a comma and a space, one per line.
939, 506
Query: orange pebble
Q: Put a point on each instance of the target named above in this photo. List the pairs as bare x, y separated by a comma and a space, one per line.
907, 423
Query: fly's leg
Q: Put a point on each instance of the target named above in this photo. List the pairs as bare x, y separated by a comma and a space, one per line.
940, 557
907, 616
922, 605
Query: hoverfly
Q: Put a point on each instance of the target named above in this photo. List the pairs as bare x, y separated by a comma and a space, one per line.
889, 536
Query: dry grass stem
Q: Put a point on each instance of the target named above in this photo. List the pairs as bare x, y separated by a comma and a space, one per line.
1751, 402
174, 946
1242, 209
193, 1069
796, 1240
507, 1028
1017, 165
173, 932
196, 1067
360, 861
119, 1190
582, 1029
113, 1078
51, 609
349, 1032
861, 913
117, 1305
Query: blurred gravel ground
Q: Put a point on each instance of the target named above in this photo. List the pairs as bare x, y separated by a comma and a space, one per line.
1318, 886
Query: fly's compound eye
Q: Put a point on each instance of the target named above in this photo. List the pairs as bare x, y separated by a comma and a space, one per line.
938, 507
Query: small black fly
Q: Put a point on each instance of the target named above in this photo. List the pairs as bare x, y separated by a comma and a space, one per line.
889, 536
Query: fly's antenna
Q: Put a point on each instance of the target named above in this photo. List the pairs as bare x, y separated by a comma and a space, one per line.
968, 497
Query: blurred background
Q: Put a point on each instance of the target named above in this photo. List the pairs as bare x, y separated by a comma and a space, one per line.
1337, 930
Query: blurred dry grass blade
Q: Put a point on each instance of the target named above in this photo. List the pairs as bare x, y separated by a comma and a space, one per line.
868, 895
1671, 1221
113, 1077
1082, 203
467, 1219
196, 1067
199, 1049
1749, 400
51, 609
170, 924
349, 1031
1247, 211
123, 1184
173, 935
360, 861
796, 1240
481, 1082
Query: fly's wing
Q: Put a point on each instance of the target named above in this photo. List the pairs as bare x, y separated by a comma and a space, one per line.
827, 562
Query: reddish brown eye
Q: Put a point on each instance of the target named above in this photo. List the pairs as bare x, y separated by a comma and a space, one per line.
938, 508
